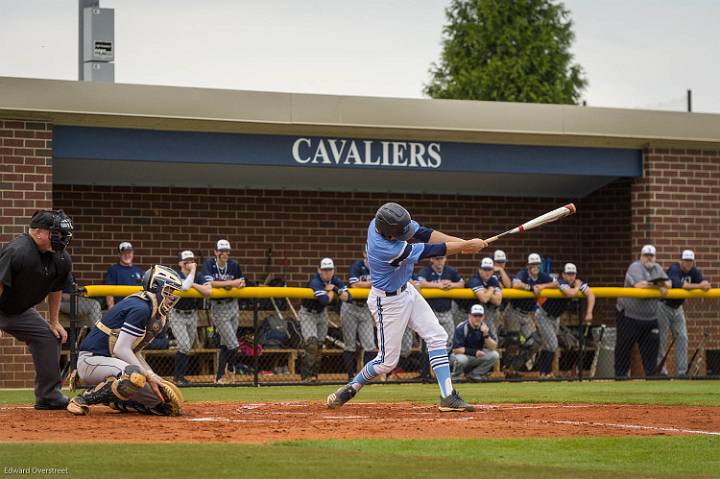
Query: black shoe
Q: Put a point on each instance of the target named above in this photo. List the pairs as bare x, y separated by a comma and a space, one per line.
454, 403
341, 396
45, 405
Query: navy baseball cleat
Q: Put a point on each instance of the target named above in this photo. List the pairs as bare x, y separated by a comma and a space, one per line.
455, 403
341, 396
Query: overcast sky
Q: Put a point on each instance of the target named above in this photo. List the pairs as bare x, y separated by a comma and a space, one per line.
636, 53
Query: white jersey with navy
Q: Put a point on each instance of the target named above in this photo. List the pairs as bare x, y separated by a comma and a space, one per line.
392, 262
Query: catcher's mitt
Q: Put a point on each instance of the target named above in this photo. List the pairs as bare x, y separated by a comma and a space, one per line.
173, 398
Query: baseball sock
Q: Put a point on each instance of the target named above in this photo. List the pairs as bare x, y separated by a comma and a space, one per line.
441, 365
365, 375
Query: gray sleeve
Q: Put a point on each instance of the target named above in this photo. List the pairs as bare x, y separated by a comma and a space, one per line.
634, 274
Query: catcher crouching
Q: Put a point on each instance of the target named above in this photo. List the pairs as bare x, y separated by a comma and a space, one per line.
109, 356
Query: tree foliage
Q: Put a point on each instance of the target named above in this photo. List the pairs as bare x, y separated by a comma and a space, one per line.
507, 50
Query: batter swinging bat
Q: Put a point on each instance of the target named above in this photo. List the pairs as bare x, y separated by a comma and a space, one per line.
549, 217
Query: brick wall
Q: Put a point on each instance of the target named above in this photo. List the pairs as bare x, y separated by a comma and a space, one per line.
676, 205
25, 185
302, 227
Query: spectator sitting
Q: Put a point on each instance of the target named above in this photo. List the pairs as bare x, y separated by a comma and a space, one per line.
474, 351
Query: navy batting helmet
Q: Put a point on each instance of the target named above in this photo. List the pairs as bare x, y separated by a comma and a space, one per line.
394, 221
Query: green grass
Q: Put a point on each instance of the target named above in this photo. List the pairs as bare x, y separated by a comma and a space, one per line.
636, 457
592, 457
691, 393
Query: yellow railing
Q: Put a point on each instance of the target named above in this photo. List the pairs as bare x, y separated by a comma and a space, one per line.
358, 293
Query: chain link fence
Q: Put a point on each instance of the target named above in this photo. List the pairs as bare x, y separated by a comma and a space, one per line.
266, 340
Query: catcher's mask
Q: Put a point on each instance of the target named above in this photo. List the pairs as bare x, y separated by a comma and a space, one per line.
164, 282
57, 223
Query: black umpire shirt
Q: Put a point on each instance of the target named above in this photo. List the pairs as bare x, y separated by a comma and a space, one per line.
29, 275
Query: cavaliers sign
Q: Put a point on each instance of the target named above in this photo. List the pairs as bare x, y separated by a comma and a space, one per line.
346, 152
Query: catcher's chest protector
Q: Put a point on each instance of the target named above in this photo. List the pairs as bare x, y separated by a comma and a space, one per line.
155, 325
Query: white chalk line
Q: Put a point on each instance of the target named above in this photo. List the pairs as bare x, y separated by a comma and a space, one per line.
635, 426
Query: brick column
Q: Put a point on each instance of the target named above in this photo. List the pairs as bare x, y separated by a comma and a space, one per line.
676, 206
25, 185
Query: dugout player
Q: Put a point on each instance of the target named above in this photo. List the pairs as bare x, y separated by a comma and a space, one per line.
474, 350
395, 304
637, 318
439, 275
34, 266
223, 272
671, 315
488, 292
184, 317
313, 316
519, 316
357, 322
548, 315
110, 356
124, 272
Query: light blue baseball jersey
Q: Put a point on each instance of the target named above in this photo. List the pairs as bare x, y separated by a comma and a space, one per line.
391, 262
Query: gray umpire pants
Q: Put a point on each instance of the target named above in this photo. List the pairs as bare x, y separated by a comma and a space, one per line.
548, 326
671, 319
225, 316
473, 366
183, 324
357, 326
88, 311
30, 328
93, 370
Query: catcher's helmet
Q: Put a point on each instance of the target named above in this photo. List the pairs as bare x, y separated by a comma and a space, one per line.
162, 281
394, 221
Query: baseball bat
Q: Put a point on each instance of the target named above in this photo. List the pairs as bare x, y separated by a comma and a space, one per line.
593, 366
661, 364
549, 217
697, 352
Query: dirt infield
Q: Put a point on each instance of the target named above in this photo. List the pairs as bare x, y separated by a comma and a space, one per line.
263, 422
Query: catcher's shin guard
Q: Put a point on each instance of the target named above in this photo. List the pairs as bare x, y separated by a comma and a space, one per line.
131, 381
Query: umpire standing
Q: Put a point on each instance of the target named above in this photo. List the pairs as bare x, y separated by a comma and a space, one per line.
33, 266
